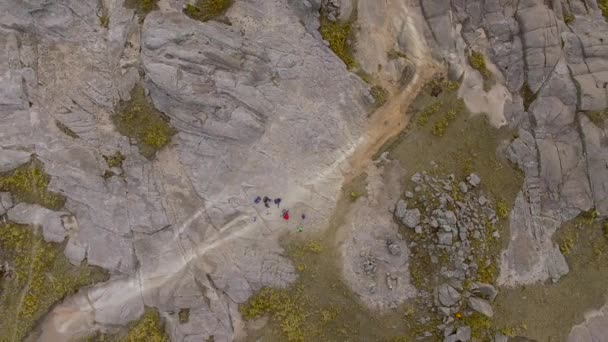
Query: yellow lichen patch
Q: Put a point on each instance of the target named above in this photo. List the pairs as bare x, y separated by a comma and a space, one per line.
148, 329
38, 277
480, 326
603, 5
340, 38
139, 120
502, 209
114, 160
29, 183
205, 10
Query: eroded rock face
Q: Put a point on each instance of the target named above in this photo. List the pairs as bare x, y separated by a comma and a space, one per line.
557, 148
261, 107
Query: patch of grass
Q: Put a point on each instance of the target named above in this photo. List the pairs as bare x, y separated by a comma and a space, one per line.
354, 195
139, 120
205, 10
527, 95
41, 277
142, 7
379, 94
66, 130
478, 62
285, 307
149, 328
568, 18
29, 183
598, 117
104, 21
441, 125
502, 209
114, 160
424, 116
480, 326
603, 5
340, 38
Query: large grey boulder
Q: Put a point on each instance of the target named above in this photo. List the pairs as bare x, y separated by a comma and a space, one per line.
481, 305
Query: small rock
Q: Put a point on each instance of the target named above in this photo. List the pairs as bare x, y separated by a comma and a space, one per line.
409, 194
6, 202
500, 338
445, 238
463, 187
496, 234
434, 223
485, 290
418, 229
451, 338
418, 188
372, 288
463, 333
369, 265
450, 217
448, 296
417, 178
482, 200
400, 209
444, 311
482, 306
393, 248
449, 330
411, 218
447, 187
474, 179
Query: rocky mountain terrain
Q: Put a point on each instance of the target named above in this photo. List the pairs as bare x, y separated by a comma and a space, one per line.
303, 170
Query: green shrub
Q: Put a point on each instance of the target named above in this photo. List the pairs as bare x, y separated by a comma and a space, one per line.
104, 21
114, 160
379, 94
478, 63
568, 18
425, 115
29, 183
339, 36
205, 10
148, 329
139, 120
502, 209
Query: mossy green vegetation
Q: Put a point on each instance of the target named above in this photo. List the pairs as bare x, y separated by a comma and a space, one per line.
104, 21
598, 117
379, 94
205, 10
139, 120
394, 54
29, 183
478, 62
340, 37
39, 277
66, 130
114, 160
603, 5
569, 18
551, 309
319, 306
142, 7
149, 328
